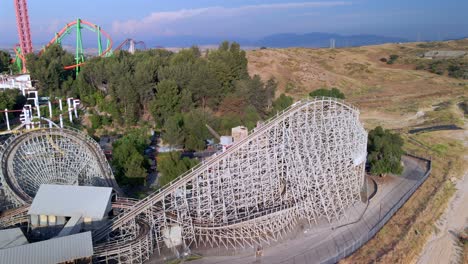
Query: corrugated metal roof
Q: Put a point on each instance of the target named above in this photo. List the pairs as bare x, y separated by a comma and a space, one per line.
54, 250
12, 237
71, 200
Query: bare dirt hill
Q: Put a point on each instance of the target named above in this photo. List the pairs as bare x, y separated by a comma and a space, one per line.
396, 96
390, 92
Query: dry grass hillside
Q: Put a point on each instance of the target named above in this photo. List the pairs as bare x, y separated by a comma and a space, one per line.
384, 92
398, 97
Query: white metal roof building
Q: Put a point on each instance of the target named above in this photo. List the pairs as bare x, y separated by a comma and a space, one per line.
56, 250
71, 200
12, 237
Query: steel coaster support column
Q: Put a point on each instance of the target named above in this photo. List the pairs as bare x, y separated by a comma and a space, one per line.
99, 40
18, 60
79, 46
108, 44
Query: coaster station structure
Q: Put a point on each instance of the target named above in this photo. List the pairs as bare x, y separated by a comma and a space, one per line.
305, 165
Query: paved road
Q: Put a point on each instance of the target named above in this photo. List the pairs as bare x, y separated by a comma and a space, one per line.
320, 243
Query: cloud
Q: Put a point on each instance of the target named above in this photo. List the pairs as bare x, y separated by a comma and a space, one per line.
160, 21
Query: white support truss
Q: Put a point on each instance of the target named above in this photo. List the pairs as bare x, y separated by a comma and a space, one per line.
306, 164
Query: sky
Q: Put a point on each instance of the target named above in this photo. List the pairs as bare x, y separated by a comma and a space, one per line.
149, 20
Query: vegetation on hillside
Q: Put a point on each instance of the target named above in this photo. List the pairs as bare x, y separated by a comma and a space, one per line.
47, 69
127, 158
179, 93
170, 165
281, 103
11, 99
333, 92
385, 150
5, 60
456, 68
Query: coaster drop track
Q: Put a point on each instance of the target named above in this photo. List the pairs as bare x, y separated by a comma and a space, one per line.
74, 27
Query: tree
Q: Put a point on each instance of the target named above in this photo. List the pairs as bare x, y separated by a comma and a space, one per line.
385, 150
174, 130
251, 117
281, 103
166, 101
195, 129
256, 93
128, 160
11, 99
186, 56
229, 63
48, 69
334, 92
5, 60
170, 166
204, 86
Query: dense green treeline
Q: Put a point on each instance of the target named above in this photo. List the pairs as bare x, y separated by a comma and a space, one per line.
178, 92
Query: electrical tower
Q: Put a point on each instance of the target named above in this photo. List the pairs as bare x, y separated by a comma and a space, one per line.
24, 31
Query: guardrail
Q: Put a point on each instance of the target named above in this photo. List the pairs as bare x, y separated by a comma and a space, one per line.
386, 217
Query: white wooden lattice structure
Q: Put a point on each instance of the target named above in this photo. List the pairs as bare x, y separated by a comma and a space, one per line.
305, 164
30, 158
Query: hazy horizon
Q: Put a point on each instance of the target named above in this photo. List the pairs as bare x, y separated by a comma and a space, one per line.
242, 20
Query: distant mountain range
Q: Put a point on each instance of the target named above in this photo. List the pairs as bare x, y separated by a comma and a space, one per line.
323, 40
285, 40
312, 40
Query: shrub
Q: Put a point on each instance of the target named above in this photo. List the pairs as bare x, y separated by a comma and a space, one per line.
392, 59
385, 150
96, 121
170, 166
334, 92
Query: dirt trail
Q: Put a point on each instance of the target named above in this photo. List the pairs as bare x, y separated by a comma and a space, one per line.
442, 247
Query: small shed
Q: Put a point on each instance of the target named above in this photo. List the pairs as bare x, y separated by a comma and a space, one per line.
53, 204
